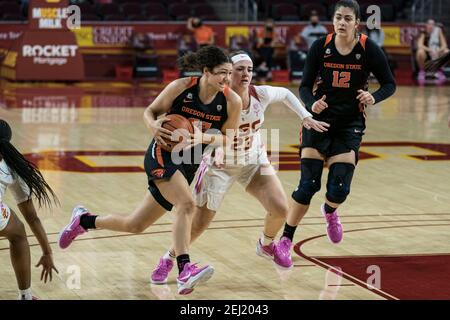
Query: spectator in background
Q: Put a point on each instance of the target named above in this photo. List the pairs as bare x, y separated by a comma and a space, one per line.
140, 43
239, 42
186, 44
297, 51
431, 44
377, 35
297, 43
314, 30
265, 49
204, 35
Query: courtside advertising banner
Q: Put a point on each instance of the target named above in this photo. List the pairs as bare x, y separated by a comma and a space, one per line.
44, 57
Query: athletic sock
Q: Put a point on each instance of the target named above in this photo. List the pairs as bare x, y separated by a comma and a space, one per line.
169, 255
289, 231
25, 294
87, 221
265, 240
182, 259
328, 209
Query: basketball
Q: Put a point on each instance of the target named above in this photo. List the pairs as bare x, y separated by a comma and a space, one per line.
177, 122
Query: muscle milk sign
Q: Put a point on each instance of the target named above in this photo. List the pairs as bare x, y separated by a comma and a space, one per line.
48, 14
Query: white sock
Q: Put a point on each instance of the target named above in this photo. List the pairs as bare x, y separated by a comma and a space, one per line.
25, 294
168, 255
265, 240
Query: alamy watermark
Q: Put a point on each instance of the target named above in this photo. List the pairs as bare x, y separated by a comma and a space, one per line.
73, 17
374, 20
374, 280
73, 281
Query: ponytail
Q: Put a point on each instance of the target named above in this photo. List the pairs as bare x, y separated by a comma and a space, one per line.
206, 57
189, 62
25, 169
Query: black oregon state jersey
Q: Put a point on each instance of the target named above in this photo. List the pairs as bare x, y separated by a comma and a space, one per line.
188, 104
340, 77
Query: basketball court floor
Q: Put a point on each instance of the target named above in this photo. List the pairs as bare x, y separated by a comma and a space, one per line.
89, 141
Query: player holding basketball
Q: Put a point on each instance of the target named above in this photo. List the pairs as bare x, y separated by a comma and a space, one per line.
342, 62
206, 99
23, 179
251, 167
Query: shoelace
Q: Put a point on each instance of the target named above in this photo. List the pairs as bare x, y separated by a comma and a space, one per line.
77, 231
284, 246
334, 219
162, 267
190, 268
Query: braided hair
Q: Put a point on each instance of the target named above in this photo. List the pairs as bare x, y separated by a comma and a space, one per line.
24, 168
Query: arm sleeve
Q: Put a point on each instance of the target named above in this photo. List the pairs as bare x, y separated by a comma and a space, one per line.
20, 190
310, 73
277, 94
379, 66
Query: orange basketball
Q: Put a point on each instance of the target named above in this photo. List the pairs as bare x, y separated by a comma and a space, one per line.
182, 125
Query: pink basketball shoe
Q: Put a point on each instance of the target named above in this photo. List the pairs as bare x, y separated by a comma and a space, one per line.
161, 272
334, 226
73, 229
282, 253
191, 276
265, 251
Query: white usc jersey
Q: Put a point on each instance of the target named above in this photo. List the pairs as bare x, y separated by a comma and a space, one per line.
10, 180
248, 155
248, 146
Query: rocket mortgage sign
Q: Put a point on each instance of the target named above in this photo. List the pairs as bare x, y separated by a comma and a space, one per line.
48, 50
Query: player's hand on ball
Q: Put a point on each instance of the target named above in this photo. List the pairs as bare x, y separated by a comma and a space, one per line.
159, 132
194, 139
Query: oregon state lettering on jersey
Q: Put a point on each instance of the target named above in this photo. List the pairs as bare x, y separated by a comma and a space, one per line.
189, 105
340, 77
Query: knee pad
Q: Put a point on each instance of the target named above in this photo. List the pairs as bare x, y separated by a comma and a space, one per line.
339, 180
309, 180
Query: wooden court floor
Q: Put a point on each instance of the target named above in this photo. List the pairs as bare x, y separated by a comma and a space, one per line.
396, 219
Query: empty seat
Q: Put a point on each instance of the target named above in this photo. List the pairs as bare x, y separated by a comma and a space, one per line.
137, 17
178, 10
159, 17
9, 8
86, 8
131, 8
154, 9
114, 17
203, 9
12, 17
108, 9
387, 12
283, 10
305, 10
209, 17
90, 17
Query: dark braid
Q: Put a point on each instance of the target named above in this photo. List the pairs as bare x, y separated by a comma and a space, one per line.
24, 168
